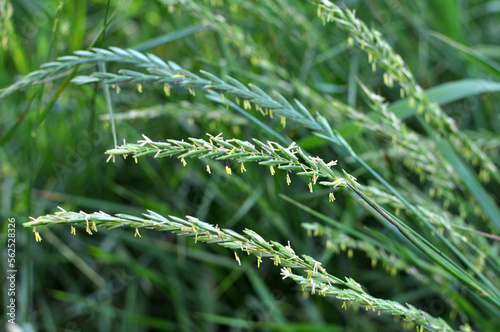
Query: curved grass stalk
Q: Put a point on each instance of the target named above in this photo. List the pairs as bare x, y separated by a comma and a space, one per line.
318, 280
270, 154
380, 52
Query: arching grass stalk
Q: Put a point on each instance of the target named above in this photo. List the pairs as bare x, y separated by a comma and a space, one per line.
269, 154
318, 280
380, 52
274, 155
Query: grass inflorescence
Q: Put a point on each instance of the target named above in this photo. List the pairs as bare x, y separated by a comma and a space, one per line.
362, 126
318, 280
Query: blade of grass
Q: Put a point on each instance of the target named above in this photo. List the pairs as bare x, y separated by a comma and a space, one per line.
475, 188
487, 289
178, 34
71, 256
446, 93
467, 175
264, 293
491, 67
109, 104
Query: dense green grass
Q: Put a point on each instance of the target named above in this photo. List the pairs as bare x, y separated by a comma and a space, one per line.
417, 226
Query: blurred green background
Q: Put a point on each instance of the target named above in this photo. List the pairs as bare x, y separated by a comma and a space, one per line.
52, 154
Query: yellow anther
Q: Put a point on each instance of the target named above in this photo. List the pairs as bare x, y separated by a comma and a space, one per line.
277, 260
247, 105
38, 238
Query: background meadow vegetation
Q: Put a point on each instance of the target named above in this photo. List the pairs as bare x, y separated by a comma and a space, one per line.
429, 169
